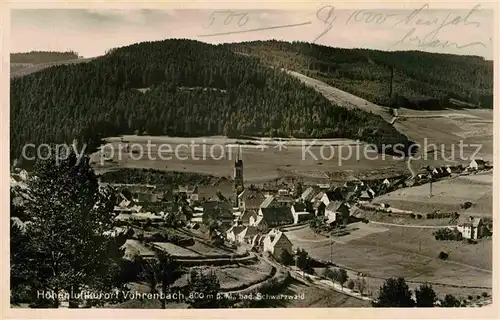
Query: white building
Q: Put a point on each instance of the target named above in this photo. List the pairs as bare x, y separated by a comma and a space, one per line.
276, 242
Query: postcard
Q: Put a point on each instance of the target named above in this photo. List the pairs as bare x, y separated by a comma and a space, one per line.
297, 160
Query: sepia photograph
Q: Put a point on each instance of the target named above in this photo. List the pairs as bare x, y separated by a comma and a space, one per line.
230, 158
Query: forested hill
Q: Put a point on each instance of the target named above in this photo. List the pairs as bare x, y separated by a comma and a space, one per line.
187, 88
36, 57
421, 80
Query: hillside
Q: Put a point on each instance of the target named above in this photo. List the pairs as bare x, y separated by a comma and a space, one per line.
36, 57
421, 80
194, 89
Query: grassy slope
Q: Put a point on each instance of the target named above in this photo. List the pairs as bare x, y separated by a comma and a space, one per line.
366, 73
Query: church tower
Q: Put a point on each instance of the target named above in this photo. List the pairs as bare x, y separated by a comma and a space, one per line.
238, 176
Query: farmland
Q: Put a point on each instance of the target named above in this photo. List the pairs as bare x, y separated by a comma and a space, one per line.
407, 252
234, 277
338, 161
447, 195
315, 297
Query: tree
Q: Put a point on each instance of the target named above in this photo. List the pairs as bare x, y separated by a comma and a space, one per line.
163, 270
450, 301
425, 296
342, 277
304, 261
203, 289
350, 284
69, 216
361, 284
394, 293
286, 258
298, 190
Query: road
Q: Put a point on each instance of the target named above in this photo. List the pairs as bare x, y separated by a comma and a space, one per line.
410, 225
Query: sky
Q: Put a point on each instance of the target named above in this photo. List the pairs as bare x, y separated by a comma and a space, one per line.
92, 32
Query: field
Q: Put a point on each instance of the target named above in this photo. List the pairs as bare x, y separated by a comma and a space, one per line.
339, 161
407, 252
447, 195
445, 128
448, 128
315, 297
235, 276
197, 250
23, 69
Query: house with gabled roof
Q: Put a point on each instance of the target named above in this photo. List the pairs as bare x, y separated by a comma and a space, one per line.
319, 208
191, 192
218, 211
338, 212
250, 199
367, 194
308, 194
245, 217
476, 164
300, 212
232, 232
272, 217
472, 228
284, 200
247, 235
275, 242
269, 202
332, 195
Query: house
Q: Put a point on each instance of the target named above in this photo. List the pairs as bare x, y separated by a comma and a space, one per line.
247, 235
308, 194
319, 208
275, 242
300, 213
477, 164
217, 211
332, 195
323, 186
367, 195
245, 217
191, 192
353, 185
472, 228
456, 169
283, 192
284, 200
232, 232
272, 217
338, 212
250, 200
269, 202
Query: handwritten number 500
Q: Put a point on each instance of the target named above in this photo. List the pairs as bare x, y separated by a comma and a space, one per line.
229, 17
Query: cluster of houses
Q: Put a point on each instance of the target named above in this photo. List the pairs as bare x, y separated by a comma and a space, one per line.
257, 215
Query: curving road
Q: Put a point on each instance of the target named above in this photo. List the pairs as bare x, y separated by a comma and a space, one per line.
410, 225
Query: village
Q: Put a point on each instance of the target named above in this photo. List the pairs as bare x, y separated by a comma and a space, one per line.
247, 236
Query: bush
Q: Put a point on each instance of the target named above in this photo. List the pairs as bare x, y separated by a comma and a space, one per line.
350, 284
443, 255
484, 294
448, 234
419, 216
412, 215
469, 297
450, 301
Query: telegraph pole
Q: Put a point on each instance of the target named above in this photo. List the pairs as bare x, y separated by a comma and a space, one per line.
430, 189
331, 250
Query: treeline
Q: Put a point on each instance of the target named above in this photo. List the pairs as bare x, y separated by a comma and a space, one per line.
36, 57
157, 177
194, 89
421, 80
